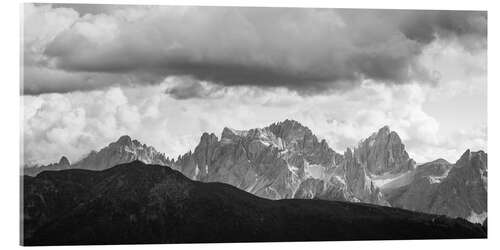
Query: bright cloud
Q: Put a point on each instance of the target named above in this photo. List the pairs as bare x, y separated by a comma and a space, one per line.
75, 123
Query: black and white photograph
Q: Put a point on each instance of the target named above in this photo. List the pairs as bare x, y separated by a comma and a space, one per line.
162, 124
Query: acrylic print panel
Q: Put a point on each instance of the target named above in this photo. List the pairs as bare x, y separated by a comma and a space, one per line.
161, 124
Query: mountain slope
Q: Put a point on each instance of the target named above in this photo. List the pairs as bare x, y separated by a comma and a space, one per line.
456, 190
137, 203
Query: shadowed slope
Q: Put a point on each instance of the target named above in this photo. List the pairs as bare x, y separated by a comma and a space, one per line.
137, 203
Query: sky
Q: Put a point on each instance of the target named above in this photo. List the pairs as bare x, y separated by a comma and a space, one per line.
164, 75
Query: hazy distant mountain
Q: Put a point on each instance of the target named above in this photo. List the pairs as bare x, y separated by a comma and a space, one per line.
125, 149
139, 203
34, 170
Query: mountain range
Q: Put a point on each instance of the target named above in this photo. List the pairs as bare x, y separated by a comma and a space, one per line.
286, 160
135, 203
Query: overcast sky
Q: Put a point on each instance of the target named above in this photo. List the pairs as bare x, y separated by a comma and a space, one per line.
164, 75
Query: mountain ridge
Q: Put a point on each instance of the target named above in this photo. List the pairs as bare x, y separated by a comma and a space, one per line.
286, 160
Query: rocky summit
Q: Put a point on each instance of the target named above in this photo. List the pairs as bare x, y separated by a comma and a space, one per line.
383, 152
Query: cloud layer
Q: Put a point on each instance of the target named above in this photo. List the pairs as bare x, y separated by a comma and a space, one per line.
73, 124
305, 50
164, 75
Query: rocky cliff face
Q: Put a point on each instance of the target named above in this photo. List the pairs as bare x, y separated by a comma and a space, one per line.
287, 160
270, 162
383, 152
358, 180
417, 194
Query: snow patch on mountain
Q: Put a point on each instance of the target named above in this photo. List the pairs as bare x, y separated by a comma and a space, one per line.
433, 179
389, 180
380, 181
196, 172
314, 171
340, 179
293, 169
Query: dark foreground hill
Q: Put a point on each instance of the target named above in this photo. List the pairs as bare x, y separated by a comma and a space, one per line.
135, 203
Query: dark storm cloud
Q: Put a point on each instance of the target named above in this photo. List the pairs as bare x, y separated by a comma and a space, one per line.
45, 80
307, 50
185, 87
470, 27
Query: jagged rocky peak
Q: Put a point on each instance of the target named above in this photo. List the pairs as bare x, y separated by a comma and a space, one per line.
125, 149
64, 161
471, 165
348, 153
124, 140
466, 156
296, 136
479, 157
208, 139
469, 177
263, 136
232, 135
288, 131
384, 152
291, 131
